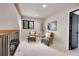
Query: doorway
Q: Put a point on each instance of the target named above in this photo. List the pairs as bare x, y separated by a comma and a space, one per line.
74, 30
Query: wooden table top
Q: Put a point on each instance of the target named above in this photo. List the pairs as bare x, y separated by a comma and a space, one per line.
5, 32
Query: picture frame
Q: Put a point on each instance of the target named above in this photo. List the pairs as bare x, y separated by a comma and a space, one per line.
52, 26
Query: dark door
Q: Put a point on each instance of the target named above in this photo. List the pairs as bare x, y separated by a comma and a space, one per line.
73, 31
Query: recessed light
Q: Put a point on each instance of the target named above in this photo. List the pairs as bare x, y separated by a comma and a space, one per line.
44, 5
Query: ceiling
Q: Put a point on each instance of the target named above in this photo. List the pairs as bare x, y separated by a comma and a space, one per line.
36, 9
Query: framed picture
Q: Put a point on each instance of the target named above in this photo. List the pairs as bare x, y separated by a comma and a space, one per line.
28, 24
52, 26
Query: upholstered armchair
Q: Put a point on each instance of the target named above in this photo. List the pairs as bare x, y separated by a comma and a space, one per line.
48, 38
32, 36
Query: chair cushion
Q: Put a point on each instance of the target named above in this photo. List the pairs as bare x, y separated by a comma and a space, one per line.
48, 34
33, 33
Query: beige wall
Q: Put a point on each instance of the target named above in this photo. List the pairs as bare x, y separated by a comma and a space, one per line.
61, 39
8, 17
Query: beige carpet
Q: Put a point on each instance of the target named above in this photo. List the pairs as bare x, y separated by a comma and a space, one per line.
36, 49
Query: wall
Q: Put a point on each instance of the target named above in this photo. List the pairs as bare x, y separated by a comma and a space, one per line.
8, 17
37, 27
61, 39
18, 22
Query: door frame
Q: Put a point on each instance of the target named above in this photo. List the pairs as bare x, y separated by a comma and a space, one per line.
69, 26
74, 10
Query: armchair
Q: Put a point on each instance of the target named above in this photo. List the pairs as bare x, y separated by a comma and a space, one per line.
32, 37
48, 38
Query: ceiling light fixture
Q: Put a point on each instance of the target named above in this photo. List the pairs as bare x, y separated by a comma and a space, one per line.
44, 5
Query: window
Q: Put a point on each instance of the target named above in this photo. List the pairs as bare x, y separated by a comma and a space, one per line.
28, 24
